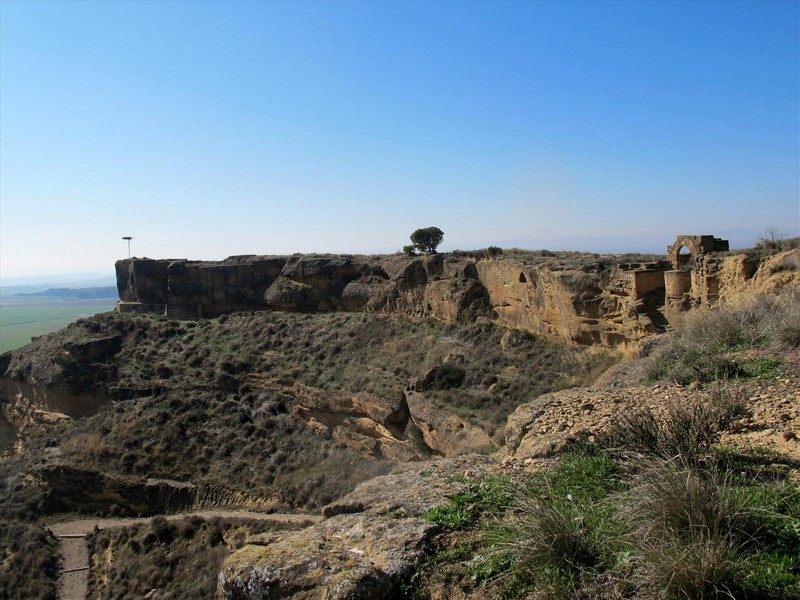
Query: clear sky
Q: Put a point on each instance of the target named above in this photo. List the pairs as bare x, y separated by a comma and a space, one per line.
207, 129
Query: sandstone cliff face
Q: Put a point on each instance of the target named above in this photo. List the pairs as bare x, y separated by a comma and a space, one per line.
740, 277
45, 392
586, 303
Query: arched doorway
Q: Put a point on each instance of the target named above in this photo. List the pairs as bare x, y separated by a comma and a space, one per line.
684, 258
683, 252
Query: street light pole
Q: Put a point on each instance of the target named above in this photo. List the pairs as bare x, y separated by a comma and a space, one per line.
128, 239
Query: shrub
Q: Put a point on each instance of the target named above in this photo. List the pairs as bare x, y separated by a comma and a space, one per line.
29, 568
446, 376
696, 350
690, 530
685, 432
784, 325
557, 530
683, 363
180, 558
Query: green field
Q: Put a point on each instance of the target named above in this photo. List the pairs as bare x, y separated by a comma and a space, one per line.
22, 318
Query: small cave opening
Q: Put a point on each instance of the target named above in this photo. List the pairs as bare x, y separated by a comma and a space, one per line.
522, 278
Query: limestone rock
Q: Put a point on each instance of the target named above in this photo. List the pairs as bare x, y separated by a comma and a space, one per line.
371, 538
286, 294
375, 426
344, 557
586, 300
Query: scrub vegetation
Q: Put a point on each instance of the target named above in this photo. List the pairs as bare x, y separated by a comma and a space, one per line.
180, 559
653, 508
712, 346
621, 521
29, 561
209, 401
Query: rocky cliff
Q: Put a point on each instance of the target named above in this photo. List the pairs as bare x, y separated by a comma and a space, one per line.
583, 298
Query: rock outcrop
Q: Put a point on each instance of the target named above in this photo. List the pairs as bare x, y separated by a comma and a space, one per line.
587, 299
584, 302
409, 428
370, 539
70, 385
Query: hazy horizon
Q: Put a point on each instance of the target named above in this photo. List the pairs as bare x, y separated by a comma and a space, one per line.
210, 129
738, 240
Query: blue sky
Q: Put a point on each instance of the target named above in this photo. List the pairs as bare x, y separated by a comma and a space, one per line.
210, 129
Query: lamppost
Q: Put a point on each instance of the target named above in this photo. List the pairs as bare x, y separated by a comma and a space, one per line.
128, 239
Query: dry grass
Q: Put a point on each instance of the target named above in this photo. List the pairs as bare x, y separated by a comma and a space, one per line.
685, 431
181, 559
702, 347
690, 530
29, 562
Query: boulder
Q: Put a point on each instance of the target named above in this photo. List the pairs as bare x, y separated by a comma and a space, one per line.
414, 488
345, 557
444, 432
371, 539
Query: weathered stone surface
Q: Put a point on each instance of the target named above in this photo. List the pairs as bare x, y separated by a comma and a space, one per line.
71, 382
375, 426
345, 557
413, 488
444, 432
584, 302
371, 537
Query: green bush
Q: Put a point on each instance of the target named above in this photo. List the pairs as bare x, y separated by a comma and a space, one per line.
447, 376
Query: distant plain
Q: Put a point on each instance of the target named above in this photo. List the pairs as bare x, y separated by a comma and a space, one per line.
24, 317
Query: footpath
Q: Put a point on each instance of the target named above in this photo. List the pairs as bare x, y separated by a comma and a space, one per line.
75, 553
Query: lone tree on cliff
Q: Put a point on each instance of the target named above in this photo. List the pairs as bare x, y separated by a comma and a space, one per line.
427, 238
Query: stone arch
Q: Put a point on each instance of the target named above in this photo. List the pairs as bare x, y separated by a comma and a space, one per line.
682, 259
679, 259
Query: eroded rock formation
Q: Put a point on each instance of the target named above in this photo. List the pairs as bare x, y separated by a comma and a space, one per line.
589, 299
588, 303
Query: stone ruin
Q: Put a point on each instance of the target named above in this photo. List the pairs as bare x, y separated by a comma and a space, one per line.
693, 280
687, 279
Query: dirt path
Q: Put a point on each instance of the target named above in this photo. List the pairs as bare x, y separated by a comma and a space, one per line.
75, 553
